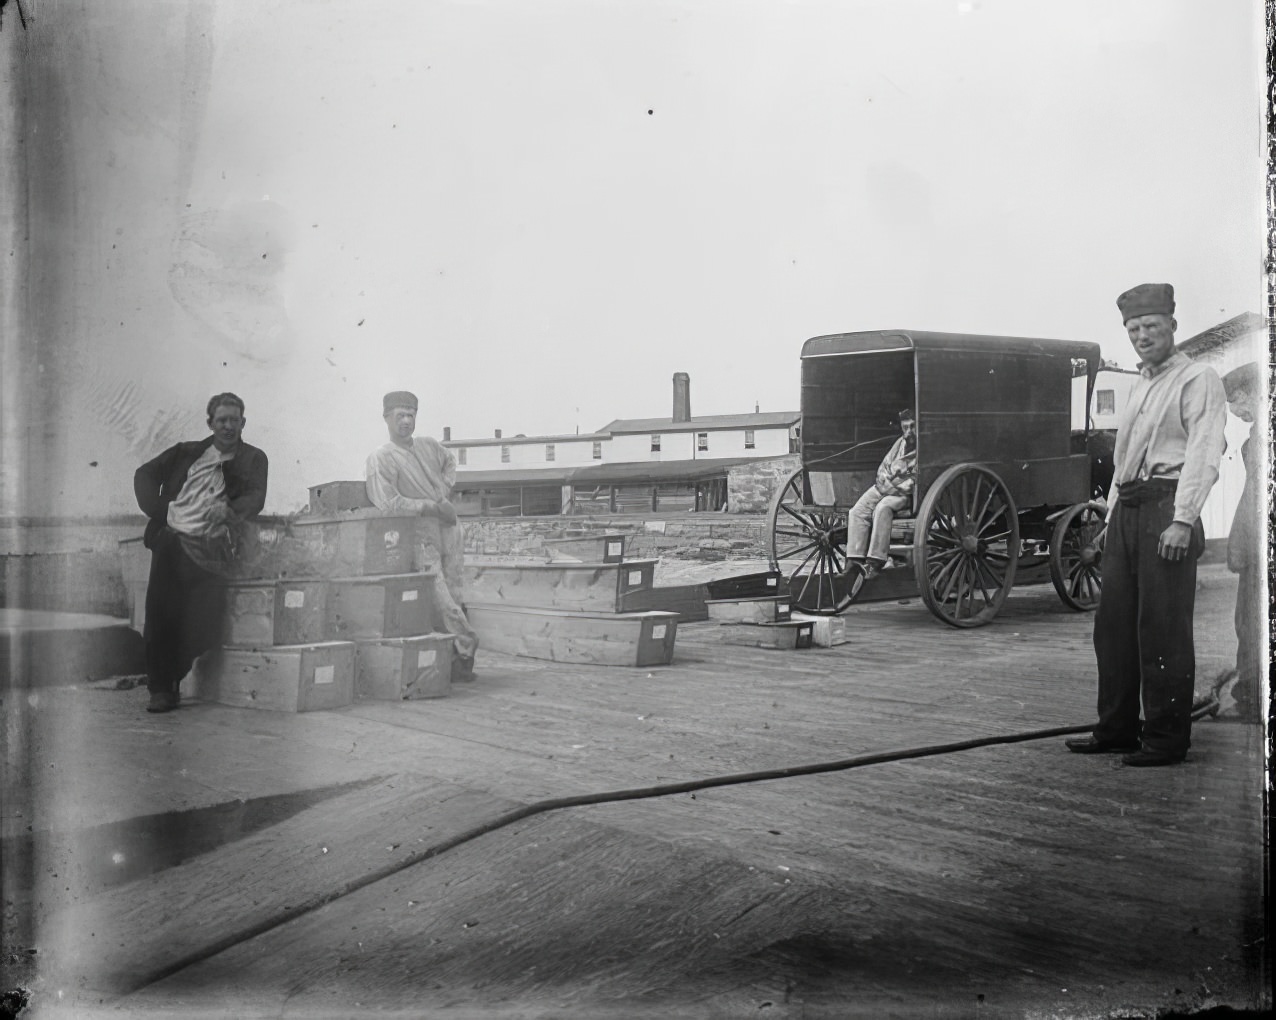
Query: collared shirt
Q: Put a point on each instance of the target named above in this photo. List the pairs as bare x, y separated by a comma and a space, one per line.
406, 478
1172, 427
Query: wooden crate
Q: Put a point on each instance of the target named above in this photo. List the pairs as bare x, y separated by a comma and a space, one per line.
578, 587
287, 678
264, 613
781, 636
608, 548
773, 609
746, 586
333, 497
404, 669
357, 542
397, 605
604, 639
826, 631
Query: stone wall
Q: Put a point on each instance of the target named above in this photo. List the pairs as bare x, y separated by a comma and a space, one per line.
750, 487
688, 536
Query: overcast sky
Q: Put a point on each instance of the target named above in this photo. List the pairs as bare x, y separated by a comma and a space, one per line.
539, 211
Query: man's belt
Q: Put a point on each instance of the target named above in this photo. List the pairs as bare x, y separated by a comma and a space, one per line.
1146, 490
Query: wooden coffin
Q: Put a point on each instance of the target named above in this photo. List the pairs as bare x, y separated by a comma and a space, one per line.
782, 636
775, 609
357, 542
579, 587
396, 605
604, 639
287, 678
334, 497
404, 669
264, 613
747, 586
608, 548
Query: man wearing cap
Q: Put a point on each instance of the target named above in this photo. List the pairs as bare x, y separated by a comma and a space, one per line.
1168, 446
196, 495
869, 525
415, 476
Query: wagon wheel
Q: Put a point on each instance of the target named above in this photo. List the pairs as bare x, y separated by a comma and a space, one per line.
808, 546
1076, 555
966, 545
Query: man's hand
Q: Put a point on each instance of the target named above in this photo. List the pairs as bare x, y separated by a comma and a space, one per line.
446, 511
1174, 541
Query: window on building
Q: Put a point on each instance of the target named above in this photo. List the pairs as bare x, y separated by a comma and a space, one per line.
748, 439
655, 444
1105, 402
505, 454
598, 450
549, 451
702, 441
460, 455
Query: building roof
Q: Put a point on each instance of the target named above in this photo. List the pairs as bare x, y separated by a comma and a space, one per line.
705, 422
522, 440
601, 474
1225, 333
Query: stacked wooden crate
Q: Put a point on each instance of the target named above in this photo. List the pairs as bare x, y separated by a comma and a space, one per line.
321, 609
571, 606
754, 610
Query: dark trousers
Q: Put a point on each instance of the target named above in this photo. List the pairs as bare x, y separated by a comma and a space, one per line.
184, 607
1143, 627
1251, 618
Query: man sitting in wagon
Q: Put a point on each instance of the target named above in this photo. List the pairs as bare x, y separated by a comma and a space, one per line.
868, 536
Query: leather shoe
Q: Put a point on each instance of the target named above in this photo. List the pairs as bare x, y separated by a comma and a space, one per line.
1146, 758
1088, 745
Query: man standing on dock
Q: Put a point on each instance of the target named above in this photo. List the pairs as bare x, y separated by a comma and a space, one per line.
1168, 446
415, 476
195, 494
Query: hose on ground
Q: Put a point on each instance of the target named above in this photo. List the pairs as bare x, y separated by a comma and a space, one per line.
1202, 707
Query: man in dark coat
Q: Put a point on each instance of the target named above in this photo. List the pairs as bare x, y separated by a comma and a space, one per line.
195, 494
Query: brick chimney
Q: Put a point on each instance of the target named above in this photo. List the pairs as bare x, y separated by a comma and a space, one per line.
498, 433
681, 397
447, 434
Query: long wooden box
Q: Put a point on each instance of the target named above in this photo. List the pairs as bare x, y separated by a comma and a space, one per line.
746, 586
397, 605
264, 613
287, 678
355, 543
579, 587
404, 669
605, 639
608, 548
775, 609
781, 636
334, 497
826, 631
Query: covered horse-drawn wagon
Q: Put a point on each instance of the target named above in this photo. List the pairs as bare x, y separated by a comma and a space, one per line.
1003, 485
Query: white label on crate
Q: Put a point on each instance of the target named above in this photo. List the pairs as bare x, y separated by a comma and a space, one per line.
658, 631
613, 548
770, 582
325, 674
783, 610
635, 577
391, 539
294, 599
409, 596
425, 658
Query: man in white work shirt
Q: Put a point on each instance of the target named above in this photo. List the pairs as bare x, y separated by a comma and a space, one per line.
1168, 446
415, 476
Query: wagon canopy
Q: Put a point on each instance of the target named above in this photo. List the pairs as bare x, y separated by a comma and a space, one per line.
1001, 401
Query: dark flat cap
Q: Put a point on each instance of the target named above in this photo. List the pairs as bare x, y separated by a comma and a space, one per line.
399, 398
1146, 299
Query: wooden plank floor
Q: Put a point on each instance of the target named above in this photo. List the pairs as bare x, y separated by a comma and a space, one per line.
1001, 881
